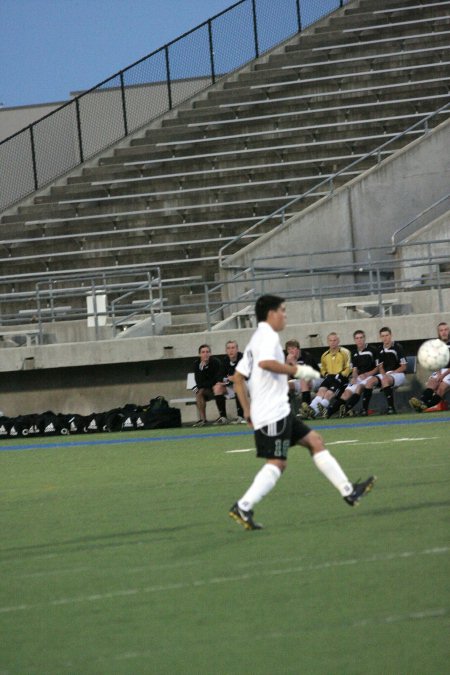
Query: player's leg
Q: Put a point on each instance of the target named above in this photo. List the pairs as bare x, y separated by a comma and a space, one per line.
387, 387
344, 401
200, 401
314, 407
393, 381
431, 395
325, 402
219, 397
369, 386
332, 470
350, 402
272, 444
306, 391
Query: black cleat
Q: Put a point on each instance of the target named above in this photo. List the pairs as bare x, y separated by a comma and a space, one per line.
363, 413
359, 490
342, 410
323, 412
307, 412
417, 405
244, 518
391, 411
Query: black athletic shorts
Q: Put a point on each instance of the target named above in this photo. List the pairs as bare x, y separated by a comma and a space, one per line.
331, 383
274, 440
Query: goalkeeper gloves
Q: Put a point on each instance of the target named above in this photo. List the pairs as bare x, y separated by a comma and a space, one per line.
306, 373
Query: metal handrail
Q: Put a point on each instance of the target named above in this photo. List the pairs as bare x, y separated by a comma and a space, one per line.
329, 180
419, 215
210, 73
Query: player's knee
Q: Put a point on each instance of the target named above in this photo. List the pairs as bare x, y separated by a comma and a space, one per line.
314, 442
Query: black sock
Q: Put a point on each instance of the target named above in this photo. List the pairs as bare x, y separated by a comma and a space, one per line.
333, 407
389, 393
352, 401
220, 402
427, 396
435, 399
367, 395
306, 397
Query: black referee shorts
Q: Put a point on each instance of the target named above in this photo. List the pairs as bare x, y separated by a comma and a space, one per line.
274, 440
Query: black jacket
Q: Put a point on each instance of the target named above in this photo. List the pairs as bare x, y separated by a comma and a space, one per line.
209, 375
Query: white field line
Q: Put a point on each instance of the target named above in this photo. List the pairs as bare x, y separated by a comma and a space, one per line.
231, 452
237, 578
432, 613
48, 573
355, 440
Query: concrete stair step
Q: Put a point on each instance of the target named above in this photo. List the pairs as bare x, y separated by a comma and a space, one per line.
180, 329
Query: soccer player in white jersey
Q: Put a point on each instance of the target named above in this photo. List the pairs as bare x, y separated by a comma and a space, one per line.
266, 408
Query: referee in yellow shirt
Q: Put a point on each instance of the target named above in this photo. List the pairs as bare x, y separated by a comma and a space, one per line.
335, 368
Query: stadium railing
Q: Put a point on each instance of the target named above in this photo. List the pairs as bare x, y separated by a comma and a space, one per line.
327, 184
371, 279
48, 148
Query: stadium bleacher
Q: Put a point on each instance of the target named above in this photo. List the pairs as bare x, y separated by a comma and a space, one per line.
288, 123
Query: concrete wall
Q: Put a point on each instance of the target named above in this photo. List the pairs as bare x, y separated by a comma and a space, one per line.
366, 211
439, 229
100, 375
18, 117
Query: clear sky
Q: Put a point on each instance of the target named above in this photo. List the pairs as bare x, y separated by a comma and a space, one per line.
49, 48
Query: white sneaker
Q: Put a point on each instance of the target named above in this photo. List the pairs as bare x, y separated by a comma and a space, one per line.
239, 420
221, 420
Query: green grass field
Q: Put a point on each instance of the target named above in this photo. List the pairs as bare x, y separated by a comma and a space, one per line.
117, 555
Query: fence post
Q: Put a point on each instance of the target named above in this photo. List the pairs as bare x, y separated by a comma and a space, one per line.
124, 104
80, 138
207, 308
211, 51
169, 85
299, 16
255, 28
33, 158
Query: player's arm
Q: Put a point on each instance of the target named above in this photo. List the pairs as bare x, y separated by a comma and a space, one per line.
372, 372
299, 372
323, 365
347, 366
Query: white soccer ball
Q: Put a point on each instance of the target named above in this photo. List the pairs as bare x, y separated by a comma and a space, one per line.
433, 354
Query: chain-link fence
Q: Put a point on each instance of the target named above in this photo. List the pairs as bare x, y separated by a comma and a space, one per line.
94, 120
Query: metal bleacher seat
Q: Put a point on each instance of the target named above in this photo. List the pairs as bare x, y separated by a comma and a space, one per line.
176, 192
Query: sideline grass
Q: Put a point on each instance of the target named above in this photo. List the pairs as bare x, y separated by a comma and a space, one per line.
120, 558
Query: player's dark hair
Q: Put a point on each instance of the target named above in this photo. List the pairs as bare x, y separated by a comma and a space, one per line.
292, 343
385, 329
202, 346
358, 332
265, 304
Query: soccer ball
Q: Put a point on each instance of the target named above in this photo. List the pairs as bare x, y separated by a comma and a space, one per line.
433, 354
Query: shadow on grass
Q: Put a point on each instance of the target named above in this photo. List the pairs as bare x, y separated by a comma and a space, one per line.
99, 541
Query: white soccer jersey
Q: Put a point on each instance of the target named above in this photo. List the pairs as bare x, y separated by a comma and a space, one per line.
268, 391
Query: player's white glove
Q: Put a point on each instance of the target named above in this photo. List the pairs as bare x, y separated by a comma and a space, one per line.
306, 373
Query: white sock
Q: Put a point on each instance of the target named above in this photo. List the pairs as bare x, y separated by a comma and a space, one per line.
314, 402
330, 468
264, 481
325, 402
